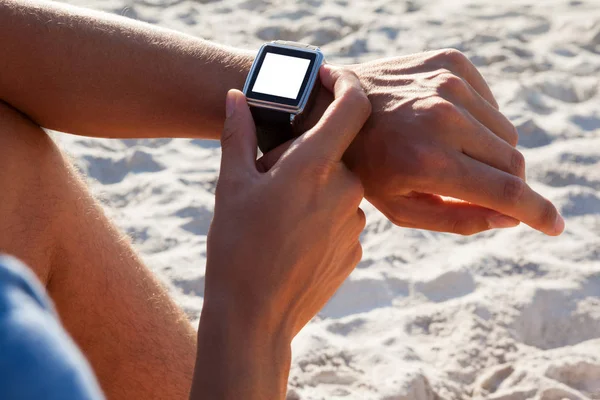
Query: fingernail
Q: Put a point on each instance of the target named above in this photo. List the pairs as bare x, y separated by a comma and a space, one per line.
501, 221
230, 104
559, 224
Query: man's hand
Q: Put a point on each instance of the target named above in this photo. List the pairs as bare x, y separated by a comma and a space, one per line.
281, 243
436, 130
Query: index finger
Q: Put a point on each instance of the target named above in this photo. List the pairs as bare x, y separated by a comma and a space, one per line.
486, 186
342, 120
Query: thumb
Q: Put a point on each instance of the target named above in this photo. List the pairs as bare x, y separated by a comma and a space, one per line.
238, 140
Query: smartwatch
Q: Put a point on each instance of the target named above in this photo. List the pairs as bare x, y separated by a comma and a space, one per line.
281, 87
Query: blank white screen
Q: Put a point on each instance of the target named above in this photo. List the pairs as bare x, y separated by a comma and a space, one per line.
281, 75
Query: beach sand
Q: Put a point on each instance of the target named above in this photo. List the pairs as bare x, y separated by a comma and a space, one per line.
509, 314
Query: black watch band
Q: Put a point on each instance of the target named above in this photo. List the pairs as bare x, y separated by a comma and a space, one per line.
272, 128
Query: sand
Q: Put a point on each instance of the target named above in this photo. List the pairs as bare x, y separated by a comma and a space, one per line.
510, 314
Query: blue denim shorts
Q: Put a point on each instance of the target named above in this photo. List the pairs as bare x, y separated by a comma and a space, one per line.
38, 359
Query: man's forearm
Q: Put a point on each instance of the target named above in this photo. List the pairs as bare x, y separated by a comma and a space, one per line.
237, 359
96, 74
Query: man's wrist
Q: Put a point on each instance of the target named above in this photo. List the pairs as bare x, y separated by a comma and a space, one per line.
241, 60
221, 315
244, 60
236, 359
218, 68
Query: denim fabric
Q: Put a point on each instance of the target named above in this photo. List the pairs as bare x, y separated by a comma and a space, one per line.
38, 359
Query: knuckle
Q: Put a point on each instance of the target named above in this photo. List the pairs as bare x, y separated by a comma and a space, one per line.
449, 82
465, 227
454, 60
443, 111
227, 135
346, 73
357, 191
356, 97
362, 220
350, 96
399, 219
456, 226
548, 214
357, 254
513, 136
517, 163
320, 170
454, 57
513, 190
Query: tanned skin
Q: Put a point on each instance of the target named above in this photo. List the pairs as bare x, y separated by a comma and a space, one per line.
139, 343
302, 239
435, 129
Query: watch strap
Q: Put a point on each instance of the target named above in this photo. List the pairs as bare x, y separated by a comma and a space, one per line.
272, 128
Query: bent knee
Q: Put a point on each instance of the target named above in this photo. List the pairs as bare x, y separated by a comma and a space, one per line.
26, 157
22, 140
28, 164
27, 153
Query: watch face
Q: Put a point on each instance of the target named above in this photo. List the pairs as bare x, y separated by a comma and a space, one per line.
281, 75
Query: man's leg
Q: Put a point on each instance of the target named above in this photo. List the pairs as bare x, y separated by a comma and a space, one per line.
139, 343
39, 360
